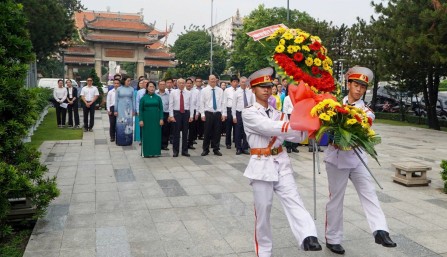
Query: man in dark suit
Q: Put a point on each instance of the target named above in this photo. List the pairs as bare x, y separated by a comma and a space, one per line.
72, 101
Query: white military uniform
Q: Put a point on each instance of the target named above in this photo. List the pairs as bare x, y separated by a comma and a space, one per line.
273, 174
344, 165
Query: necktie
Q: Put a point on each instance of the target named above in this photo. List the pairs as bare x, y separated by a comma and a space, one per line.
245, 99
169, 90
214, 99
182, 102
268, 113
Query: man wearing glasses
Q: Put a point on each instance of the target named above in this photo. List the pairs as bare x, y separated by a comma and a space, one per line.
89, 94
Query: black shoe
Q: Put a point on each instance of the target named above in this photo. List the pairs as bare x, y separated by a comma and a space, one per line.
228, 146
90, 130
289, 150
205, 153
311, 150
310, 243
165, 148
175, 155
200, 138
216, 152
246, 152
295, 150
335, 248
320, 150
191, 147
85, 130
194, 142
112, 140
186, 154
383, 238
238, 151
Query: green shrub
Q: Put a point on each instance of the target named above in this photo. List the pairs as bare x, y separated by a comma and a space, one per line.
444, 174
21, 173
388, 116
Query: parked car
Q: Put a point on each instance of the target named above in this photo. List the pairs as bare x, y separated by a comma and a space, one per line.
441, 108
52, 82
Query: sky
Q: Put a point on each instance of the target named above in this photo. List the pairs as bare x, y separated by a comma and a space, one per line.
182, 13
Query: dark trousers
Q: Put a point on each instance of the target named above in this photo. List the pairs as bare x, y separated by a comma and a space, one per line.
200, 126
165, 130
212, 130
192, 132
60, 114
73, 111
180, 125
89, 111
112, 122
229, 127
239, 135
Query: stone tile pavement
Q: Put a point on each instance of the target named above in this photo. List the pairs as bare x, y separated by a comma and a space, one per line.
115, 203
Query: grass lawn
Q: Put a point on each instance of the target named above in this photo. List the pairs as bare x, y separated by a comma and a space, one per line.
14, 245
48, 130
403, 123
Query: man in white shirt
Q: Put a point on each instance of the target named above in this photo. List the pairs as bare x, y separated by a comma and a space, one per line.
342, 166
270, 170
110, 104
89, 94
192, 131
243, 98
213, 114
228, 103
72, 108
200, 124
180, 106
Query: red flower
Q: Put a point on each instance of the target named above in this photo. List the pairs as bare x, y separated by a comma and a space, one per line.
321, 56
298, 57
315, 70
370, 121
357, 117
341, 110
315, 46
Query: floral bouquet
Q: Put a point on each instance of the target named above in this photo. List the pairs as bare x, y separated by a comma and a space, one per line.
349, 126
302, 59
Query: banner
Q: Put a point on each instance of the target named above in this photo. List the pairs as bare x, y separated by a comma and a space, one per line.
265, 32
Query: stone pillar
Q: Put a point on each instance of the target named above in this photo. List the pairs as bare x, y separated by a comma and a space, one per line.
70, 72
140, 68
98, 68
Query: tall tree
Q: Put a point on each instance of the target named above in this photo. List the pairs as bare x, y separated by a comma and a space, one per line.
249, 56
413, 37
192, 51
50, 23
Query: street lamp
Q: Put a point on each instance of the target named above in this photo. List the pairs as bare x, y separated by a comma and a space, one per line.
288, 16
211, 32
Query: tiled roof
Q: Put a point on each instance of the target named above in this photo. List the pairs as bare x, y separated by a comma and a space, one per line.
118, 24
118, 39
90, 15
159, 63
79, 60
158, 54
79, 50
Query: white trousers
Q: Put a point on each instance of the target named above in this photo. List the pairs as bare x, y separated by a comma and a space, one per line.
300, 221
338, 179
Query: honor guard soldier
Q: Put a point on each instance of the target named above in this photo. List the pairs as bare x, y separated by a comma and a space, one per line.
270, 169
344, 165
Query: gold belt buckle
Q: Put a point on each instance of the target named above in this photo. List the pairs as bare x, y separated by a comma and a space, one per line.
275, 151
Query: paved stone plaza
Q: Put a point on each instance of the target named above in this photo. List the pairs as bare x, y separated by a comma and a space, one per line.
115, 203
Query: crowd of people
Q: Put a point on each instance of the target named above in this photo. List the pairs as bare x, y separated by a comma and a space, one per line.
182, 111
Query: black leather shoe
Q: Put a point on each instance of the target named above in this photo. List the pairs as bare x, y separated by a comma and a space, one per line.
194, 142
191, 147
186, 154
246, 152
200, 138
295, 150
175, 155
216, 152
238, 151
310, 243
289, 150
383, 238
228, 146
165, 149
336, 248
205, 153
112, 140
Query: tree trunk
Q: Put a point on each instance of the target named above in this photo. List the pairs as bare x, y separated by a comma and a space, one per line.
433, 121
375, 88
